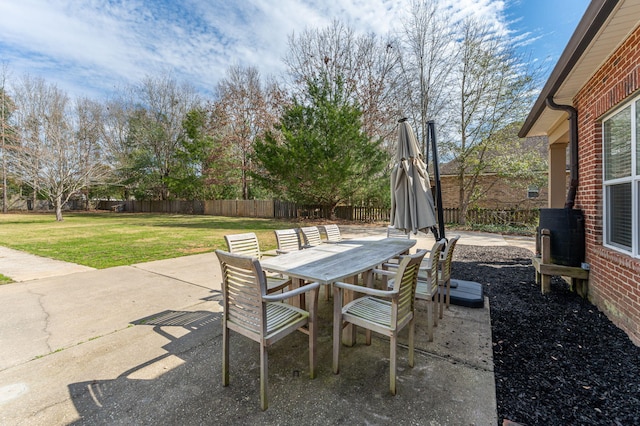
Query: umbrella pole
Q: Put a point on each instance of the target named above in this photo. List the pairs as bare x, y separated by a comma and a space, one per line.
431, 135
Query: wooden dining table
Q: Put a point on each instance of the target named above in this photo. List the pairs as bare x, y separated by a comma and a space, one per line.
340, 261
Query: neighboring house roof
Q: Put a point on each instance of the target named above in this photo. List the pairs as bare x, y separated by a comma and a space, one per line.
604, 26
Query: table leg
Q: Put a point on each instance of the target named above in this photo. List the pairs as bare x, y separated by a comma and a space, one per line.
298, 302
349, 332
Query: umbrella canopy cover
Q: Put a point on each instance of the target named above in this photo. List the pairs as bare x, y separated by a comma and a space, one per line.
412, 207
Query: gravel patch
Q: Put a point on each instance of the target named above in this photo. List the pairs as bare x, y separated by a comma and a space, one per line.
558, 359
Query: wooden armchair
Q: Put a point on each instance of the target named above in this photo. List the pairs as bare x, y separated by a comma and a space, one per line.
247, 245
427, 288
311, 236
444, 278
332, 232
396, 233
288, 240
444, 272
385, 312
251, 312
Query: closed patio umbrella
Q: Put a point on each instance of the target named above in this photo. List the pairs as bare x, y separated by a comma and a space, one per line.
412, 207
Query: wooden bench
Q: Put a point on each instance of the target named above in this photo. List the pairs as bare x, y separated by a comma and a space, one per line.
545, 269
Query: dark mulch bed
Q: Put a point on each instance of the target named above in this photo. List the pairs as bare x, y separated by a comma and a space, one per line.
558, 359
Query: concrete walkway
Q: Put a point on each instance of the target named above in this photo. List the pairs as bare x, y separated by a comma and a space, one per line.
141, 344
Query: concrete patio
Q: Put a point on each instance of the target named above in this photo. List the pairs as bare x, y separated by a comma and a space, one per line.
141, 344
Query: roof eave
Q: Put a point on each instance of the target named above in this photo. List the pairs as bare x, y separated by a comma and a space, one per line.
588, 27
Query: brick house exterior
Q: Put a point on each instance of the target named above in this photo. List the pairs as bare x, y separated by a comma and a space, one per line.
498, 193
598, 74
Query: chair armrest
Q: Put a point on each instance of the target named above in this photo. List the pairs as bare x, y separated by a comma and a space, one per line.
390, 265
384, 272
365, 290
424, 266
291, 293
270, 253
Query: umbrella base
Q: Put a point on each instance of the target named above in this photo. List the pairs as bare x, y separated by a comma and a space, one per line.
467, 293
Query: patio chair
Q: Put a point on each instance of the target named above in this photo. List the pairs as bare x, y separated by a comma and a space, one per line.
251, 312
311, 236
444, 274
332, 232
427, 288
385, 312
396, 233
247, 245
288, 240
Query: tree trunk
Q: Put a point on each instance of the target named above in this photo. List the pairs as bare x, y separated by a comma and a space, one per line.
462, 205
4, 179
58, 206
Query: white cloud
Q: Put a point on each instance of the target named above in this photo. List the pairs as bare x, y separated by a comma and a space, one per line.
88, 47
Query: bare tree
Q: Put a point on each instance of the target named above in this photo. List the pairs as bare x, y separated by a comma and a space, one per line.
156, 127
494, 89
247, 109
7, 134
118, 148
52, 158
428, 53
88, 128
364, 65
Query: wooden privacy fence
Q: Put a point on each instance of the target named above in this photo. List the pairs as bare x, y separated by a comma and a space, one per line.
287, 210
240, 208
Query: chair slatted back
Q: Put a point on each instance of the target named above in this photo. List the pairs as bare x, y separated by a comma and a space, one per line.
333, 233
288, 240
448, 258
396, 233
245, 244
405, 283
243, 286
311, 235
436, 252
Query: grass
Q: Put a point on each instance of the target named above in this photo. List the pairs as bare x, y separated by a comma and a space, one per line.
103, 240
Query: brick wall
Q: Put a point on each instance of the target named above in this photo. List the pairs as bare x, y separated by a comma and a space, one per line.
497, 193
614, 282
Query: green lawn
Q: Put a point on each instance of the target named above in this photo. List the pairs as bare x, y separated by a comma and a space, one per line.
103, 240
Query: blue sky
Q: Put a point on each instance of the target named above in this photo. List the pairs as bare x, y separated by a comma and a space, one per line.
90, 47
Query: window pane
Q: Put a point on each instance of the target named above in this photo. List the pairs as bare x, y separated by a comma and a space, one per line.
619, 215
617, 145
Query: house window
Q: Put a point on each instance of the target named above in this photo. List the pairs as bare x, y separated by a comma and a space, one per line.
621, 151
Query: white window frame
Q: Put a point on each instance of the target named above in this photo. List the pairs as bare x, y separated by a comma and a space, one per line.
634, 180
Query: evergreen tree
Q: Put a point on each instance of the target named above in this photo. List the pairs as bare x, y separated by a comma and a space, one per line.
319, 154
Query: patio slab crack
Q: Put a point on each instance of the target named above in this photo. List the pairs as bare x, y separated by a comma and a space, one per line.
46, 320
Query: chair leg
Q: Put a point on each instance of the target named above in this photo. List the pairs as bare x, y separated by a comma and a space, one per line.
412, 334
225, 355
337, 328
367, 337
441, 297
313, 333
264, 379
430, 320
392, 363
448, 292
434, 300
